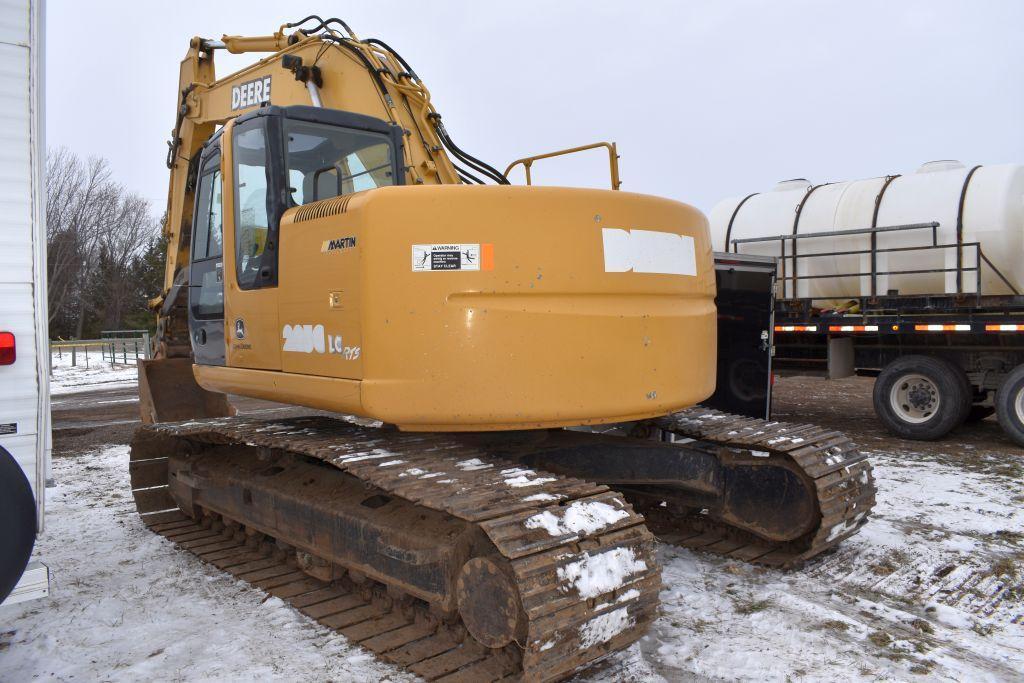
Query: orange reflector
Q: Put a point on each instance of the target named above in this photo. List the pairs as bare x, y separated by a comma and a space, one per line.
796, 328
1004, 328
853, 328
942, 328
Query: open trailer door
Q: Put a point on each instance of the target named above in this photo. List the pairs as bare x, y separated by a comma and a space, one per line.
746, 300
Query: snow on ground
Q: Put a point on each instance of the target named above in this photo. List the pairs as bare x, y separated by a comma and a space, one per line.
90, 372
126, 605
931, 589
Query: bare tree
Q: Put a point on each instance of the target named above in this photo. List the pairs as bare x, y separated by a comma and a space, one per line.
96, 230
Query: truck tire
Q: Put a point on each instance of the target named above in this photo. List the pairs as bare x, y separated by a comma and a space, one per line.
1010, 405
922, 397
17, 523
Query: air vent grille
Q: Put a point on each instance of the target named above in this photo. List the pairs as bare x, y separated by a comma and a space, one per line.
322, 209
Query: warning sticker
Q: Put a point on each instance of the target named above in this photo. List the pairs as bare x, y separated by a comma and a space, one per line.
428, 257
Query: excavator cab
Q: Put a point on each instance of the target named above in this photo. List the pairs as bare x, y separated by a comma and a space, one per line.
279, 158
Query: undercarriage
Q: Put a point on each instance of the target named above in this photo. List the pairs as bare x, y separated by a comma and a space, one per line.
526, 555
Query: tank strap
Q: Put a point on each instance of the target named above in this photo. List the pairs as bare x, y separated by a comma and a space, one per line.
732, 219
960, 236
874, 236
796, 227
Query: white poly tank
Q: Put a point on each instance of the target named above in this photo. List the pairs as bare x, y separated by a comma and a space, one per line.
983, 204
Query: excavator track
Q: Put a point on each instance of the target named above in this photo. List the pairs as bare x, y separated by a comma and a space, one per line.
583, 590
840, 474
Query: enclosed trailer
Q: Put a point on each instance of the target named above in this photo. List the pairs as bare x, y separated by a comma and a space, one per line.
25, 401
916, 279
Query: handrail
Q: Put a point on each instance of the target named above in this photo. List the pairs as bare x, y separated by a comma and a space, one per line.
960, 269
613, 160
838, 233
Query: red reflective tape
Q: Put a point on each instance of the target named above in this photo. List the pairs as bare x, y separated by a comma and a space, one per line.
853, 328
1004, 327
796, 328
949, 327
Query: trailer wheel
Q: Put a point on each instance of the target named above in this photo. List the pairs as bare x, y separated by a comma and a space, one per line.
1010, 405
17, 523
922, 397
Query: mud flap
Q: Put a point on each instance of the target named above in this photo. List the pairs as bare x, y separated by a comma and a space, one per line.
168, 392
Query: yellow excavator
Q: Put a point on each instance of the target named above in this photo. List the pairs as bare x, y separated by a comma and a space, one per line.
506, 378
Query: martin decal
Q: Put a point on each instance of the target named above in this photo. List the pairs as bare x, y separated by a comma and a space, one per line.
338, 244
250, 93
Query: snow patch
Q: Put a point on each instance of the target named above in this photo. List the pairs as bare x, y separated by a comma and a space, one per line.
602, 573
581, 516
412, 472
604, 627
541, 498
517, 477
472, 464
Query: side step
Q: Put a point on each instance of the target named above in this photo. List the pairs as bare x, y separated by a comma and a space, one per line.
34, 584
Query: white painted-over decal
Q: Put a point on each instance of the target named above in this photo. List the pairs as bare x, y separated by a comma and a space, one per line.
304, 338
313, 339
648, 251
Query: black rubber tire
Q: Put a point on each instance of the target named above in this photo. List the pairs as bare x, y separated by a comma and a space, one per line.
17, 523
977, 413
954, 397
1009, 394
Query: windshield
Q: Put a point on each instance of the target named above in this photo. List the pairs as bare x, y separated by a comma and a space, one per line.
327, 161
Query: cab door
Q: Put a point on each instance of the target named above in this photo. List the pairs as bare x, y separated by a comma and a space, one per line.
250, 257
206, 277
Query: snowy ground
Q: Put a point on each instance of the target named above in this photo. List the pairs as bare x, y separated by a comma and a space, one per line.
930, 590
90, 371
125, 605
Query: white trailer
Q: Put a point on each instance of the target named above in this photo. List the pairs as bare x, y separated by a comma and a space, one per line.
915, 279
24, 372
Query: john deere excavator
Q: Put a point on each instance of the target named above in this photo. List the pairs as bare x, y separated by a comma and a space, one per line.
330, 246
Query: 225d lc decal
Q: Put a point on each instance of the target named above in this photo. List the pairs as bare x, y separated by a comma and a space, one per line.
313, 339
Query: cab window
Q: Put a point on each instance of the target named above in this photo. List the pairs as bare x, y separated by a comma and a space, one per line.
327, 161
207, 299
251, 199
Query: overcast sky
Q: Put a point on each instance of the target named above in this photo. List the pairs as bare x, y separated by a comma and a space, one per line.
705, 98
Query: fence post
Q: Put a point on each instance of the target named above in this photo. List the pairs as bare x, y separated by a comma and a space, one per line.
74, 358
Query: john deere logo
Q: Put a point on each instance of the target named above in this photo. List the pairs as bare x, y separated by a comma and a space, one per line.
239, 329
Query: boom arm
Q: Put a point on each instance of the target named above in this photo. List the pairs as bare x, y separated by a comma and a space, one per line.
326, 68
